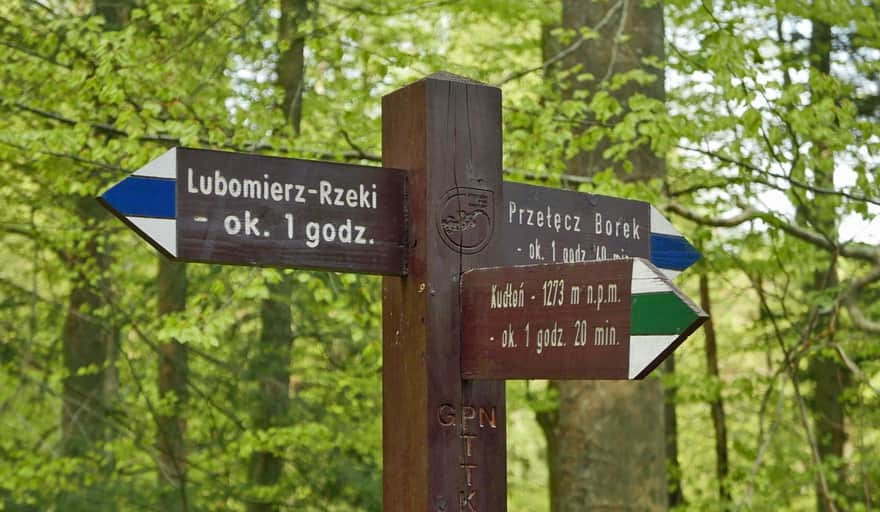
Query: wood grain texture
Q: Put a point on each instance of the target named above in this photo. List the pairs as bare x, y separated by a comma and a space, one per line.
443, 439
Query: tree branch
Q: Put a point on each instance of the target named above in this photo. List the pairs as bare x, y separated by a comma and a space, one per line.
853, 367
865, 253
35, 54
170, 140
565, 51
84, 161
861, 252
789, 179
858, 317
790, 363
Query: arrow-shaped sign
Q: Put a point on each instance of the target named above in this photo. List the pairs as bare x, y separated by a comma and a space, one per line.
220, 207
146, 202
546, 225
615, 319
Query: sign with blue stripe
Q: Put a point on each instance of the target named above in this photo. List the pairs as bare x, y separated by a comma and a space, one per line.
220, 207
141, 196
672, 252
546, 225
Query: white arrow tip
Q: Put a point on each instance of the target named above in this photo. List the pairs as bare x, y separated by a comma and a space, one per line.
646, 278
162, 232
660, 224
644, 350
165, 166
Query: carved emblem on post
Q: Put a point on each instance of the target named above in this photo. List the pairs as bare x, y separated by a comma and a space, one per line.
466, 219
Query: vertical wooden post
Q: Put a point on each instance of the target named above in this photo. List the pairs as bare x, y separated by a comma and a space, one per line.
443, 439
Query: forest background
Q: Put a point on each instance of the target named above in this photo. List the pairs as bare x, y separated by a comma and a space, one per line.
130, 383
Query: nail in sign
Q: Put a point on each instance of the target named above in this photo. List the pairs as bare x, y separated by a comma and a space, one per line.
615, 319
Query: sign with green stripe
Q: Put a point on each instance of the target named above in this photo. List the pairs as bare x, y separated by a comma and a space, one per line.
615, 319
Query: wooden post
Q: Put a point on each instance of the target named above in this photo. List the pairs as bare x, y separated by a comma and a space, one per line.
443, 438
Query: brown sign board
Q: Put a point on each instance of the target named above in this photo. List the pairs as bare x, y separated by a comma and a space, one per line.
615, 319
547, 225
449, 338
220, 207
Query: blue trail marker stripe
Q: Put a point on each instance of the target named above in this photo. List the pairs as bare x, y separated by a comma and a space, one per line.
143, 197
672, 252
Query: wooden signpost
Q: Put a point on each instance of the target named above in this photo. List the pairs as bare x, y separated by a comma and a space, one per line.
432, 223
616, 319
220, 207
443, 438
548, 225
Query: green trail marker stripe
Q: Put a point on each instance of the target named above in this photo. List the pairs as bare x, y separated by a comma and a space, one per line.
659, 313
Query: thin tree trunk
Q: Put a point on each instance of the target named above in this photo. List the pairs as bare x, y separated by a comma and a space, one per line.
831, 377
719, 421
291, 62
676, 494
606, 441
270, 360
86, 339
172, 383
85, 348
269, 365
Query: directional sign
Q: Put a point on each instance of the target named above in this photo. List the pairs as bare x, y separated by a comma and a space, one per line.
559, 314
220, 207
546, 225
615, 319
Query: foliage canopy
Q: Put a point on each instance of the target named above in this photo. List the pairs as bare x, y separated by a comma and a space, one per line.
770, 131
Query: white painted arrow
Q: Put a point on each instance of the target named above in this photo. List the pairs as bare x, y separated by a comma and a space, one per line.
146, 201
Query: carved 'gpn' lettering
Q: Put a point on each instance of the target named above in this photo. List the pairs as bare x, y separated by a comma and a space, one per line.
471, 420
483, 416
446, 415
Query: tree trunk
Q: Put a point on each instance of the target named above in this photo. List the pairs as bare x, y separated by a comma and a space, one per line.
87, 339
291, 62
831, 377
676, 494
606, 441
269, 365
116, 13
172, 383
270, 360
606, 449
603, 57
832, 380
719, 422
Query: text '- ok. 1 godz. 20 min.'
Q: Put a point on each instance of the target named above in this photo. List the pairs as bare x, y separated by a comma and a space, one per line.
555, 293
